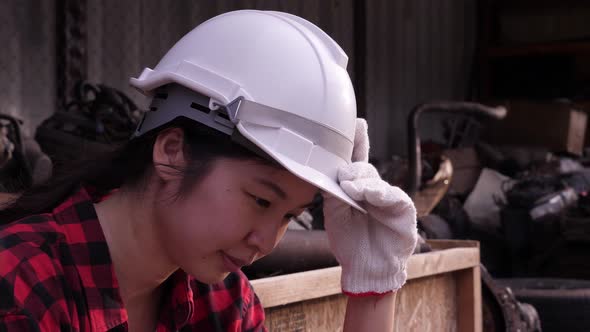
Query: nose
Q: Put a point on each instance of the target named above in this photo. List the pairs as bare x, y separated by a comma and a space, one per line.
266, 236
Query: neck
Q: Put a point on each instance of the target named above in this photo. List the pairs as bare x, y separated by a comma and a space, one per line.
130, 230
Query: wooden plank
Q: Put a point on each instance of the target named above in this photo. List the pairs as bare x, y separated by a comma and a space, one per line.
469, 300
447, 244
323, 314
427, 305
427, 264
422, 305
289, 288
308, 285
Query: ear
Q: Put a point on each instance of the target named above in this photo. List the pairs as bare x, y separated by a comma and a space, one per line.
169, 151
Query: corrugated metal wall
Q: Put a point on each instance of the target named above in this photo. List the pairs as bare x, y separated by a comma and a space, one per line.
27, 60
417, 51
126, 36
414, 50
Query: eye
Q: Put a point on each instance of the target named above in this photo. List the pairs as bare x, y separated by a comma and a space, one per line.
260, 201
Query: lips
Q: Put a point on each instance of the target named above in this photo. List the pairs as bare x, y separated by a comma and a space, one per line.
233, 263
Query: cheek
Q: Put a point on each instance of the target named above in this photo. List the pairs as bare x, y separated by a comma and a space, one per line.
200, 225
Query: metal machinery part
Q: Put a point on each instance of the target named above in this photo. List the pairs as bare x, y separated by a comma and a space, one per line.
298, 251
562, 304
414, 151
501, 310
22, 163
97, 118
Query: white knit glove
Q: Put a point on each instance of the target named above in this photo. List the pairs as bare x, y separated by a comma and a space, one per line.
372, 248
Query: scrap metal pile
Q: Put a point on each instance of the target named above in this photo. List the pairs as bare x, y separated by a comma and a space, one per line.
96, 120
528, 206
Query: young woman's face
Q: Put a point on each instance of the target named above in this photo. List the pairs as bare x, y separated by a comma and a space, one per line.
234, 216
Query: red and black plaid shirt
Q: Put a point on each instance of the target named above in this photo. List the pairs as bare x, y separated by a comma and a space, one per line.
56, 274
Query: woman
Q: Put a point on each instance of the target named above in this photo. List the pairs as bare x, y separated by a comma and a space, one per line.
252, 114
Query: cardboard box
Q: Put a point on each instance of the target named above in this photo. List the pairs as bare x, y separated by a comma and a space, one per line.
557, 126
585, 106
466, 169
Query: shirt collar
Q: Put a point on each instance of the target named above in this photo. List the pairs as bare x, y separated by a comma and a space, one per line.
178, 303
91, 257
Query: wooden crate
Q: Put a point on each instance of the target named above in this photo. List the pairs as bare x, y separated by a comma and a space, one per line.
443, 293
557, 126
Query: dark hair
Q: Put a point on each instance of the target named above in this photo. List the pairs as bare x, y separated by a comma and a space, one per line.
130, 164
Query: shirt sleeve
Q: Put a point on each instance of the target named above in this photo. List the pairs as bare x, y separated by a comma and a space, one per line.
31, 290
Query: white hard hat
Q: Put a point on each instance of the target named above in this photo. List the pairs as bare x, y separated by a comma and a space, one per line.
275, 77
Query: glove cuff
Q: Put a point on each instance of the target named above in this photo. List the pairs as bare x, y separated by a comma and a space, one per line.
366, 280
370, 294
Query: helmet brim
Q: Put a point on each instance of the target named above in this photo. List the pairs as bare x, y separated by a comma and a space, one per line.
306, 173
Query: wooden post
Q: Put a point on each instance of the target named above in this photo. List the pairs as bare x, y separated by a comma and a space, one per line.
469, 300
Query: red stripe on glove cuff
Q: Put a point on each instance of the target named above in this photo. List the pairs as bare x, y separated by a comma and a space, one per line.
367, 294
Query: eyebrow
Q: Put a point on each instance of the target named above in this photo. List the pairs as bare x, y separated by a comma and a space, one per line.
281, 193
274, 187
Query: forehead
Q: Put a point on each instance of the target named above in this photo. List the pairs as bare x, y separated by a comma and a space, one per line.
258, 172
249, 167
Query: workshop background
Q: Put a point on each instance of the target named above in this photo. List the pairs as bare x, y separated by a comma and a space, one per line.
401, 53
477, 108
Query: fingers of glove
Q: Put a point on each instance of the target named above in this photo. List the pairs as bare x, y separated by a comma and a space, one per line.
375, 192
360, 151
402, 222
357, 170
334, 208
363, 189
373, 254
